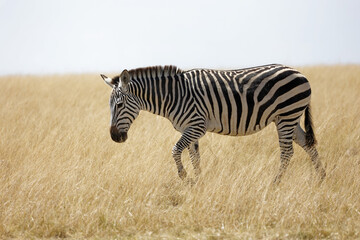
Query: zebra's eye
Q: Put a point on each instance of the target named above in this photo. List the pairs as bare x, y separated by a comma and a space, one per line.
119, 102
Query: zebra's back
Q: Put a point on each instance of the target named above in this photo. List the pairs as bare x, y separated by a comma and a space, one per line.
244, 101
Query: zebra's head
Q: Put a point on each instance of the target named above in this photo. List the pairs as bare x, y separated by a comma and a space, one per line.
123, 107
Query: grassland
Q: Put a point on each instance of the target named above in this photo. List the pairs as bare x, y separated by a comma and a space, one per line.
61, 175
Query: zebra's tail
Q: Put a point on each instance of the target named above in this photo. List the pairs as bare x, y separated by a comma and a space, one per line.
310, 135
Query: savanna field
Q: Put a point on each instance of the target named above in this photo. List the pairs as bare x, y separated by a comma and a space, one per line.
61, 175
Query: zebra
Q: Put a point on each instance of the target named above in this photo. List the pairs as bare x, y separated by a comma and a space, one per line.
228, 102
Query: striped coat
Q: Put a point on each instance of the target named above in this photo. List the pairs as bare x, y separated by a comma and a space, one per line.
230, 102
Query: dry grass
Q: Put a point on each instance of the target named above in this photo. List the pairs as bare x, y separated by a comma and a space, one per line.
62, 176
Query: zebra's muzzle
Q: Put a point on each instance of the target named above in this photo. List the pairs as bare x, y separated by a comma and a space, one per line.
117, 136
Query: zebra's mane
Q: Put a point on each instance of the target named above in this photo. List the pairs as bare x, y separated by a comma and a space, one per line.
155, 71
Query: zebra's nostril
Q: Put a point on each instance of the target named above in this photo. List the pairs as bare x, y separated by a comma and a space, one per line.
114, 137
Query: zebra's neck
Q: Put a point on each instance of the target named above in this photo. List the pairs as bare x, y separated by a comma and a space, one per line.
157, 89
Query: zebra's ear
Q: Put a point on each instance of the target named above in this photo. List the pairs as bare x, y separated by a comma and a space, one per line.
107, 80
124, 79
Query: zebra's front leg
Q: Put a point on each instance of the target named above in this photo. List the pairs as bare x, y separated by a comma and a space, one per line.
195, 157
176, 152
188, 139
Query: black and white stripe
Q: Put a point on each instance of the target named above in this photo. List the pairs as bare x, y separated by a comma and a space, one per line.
230, 102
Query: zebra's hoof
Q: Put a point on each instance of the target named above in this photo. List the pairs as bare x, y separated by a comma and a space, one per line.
190, 181
182, 174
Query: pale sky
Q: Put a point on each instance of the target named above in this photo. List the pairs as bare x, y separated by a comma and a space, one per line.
84, 36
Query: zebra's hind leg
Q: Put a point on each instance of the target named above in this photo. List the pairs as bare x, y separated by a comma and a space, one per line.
285, 131
195, 157
300, 139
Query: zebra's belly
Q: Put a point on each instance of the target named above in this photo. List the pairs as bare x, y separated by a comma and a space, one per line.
233, 129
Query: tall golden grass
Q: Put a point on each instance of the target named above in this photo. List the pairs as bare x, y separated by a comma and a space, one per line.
61, 175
